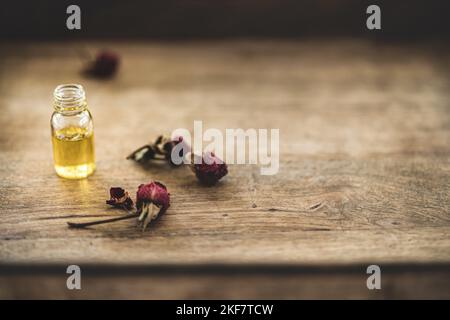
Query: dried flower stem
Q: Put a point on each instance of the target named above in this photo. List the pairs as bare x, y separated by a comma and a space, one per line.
131, 155
158, 150
92, 223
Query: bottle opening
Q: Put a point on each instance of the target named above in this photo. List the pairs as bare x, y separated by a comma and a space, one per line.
69, 97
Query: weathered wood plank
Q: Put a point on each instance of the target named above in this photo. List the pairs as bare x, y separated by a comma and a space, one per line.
365, 152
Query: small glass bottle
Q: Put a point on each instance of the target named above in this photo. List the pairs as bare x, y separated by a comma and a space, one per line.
72, 132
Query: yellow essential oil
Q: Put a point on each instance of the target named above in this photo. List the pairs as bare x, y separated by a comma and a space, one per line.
73, 152
72, 133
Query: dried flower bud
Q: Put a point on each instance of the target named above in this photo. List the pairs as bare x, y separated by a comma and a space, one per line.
162, 150
182, 148
148, 197
210, 170
105, 65
152, 200
120, 198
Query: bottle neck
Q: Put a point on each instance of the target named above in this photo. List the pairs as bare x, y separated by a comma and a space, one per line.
69, 99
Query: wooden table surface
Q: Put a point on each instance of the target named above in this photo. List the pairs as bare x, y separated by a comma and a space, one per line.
364, 169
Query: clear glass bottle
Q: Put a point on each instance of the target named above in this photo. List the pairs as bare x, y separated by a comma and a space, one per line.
72, 132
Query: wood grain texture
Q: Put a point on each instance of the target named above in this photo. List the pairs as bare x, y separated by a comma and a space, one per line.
365, 146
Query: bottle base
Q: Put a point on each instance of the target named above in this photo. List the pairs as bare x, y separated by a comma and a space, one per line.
75, 172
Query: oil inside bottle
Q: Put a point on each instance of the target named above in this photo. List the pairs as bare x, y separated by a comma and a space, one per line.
73, 152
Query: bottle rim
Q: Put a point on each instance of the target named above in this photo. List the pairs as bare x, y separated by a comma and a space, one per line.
69, 97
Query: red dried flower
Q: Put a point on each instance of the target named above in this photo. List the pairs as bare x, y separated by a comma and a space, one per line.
149, 198
105, 65
120, 198
210, 170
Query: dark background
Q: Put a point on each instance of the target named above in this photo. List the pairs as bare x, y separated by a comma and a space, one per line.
181, 19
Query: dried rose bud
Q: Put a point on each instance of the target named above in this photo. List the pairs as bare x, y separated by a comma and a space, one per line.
152, 200
183, 148
210, 170
105, 65
120, 198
